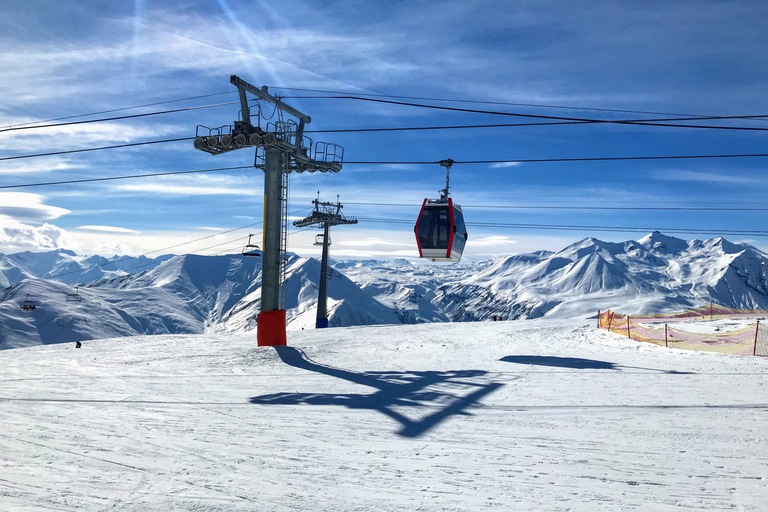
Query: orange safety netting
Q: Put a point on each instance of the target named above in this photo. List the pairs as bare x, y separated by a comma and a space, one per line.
750, 340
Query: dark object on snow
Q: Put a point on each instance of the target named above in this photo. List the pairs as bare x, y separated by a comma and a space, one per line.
28, 305
78, 344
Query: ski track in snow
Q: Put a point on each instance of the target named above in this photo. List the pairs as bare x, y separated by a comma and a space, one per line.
530, 415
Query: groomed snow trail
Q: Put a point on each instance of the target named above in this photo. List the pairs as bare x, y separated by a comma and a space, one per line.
531, 415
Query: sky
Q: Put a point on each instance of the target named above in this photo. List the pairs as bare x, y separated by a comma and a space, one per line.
550, 58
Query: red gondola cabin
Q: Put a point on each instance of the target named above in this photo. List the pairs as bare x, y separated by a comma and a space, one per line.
440, 231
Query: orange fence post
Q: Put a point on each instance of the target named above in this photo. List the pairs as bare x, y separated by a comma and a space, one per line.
757, 329
710, 311
598, 318
666, 343
610, 320
629, 334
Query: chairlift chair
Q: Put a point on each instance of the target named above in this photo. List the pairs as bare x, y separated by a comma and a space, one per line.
27, 304
74, 297
440, 230
251, 249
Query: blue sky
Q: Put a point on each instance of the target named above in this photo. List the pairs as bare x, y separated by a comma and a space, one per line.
67, 58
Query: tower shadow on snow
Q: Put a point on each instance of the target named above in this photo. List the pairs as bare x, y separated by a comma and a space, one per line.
393, 389
578, 363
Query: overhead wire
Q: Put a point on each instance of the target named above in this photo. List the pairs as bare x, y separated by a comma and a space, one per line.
373, 98
357, 93
99, 148
125, 177
122, 109
570, 227
481, 102
545, 207
219, 233
668, 122
115, 118
401, 162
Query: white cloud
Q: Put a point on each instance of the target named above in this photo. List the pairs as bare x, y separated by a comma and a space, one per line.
37, 166
493, 241
187, 190
83, 135
16, 236
372, 242
708, 177
502, 165
112, 247
110, 229
29, 207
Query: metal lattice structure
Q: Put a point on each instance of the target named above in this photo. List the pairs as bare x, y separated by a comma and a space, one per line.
281, 148
325, 215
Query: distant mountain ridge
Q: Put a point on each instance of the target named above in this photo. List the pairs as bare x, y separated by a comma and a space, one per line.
195, 294
67, 267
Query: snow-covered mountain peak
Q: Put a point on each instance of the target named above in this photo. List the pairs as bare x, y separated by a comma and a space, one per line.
663, 244
591, 245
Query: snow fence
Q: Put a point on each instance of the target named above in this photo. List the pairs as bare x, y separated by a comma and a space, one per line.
751, 340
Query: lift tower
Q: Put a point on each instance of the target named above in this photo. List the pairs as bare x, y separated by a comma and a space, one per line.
281, 148
327, 215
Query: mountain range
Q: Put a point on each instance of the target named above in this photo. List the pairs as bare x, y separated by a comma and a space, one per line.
195, 294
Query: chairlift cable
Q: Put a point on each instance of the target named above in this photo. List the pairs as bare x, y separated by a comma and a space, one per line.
116, 118
667, 122
132, 176
567, 227
122, 109
544, 207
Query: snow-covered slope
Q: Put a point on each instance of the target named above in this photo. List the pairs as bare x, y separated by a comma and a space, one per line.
347, 303
653, 274
194, 294
67, 267
542, 415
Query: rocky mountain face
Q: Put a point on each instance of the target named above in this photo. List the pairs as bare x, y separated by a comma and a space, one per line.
195, 294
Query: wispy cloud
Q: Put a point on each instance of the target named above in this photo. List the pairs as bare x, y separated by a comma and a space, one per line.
709, 177
110, 229
52, 164
84, 135
503, 165
186, 190
28, 207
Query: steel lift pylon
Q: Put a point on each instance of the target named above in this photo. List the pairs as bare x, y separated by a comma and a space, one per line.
281, 148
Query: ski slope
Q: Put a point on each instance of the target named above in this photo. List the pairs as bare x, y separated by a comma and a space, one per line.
530, 415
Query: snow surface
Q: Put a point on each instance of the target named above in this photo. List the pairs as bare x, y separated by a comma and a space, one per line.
530, 415
196, 294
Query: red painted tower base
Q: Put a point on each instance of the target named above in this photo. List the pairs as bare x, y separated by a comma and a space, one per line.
270, 328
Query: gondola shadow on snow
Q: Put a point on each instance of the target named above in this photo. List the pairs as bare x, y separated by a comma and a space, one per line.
392, 390
579, 363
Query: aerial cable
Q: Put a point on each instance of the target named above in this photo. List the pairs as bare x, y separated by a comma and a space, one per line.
567, 227
667, 122
541, 207
128, 177
577, 159
70, 151
539, 160
536, 105
563, 120
116, 118
176, 245
335, 92
122, 109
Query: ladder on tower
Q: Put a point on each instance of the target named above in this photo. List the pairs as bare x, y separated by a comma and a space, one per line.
284, 239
